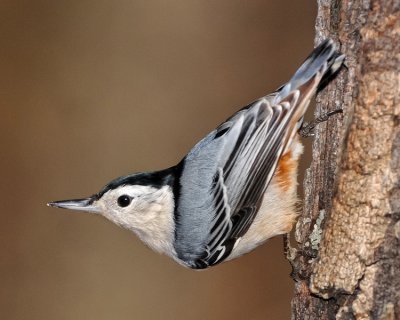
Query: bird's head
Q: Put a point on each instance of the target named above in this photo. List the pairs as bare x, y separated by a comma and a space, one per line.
142, 203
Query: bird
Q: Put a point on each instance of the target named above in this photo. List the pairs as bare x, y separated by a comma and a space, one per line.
235, 189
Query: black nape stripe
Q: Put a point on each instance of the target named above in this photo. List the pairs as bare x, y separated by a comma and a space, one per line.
156, 179
175, 184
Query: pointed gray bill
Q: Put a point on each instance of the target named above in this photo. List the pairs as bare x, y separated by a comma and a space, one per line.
77, 204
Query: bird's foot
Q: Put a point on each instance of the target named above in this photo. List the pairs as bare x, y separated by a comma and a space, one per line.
307, 129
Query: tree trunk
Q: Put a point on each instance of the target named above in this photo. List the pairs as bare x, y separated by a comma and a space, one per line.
347, 264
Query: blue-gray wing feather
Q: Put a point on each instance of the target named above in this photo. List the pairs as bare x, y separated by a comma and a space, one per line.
225, 176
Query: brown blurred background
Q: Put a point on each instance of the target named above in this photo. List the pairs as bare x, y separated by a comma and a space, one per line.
91, 90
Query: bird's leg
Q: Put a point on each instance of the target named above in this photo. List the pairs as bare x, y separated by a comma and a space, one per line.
291, 255
295, 258
307, 129
288, 251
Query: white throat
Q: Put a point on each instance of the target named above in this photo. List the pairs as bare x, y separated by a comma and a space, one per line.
155, 227
150, 217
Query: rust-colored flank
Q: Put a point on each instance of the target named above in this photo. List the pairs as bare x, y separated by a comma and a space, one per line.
285, 169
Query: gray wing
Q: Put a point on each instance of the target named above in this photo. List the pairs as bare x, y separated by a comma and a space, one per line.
224, 178
244, 174
226, 174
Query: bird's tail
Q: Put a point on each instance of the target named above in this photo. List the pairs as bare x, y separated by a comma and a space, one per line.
319, 67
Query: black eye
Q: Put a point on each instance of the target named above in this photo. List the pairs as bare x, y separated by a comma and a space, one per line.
124, 201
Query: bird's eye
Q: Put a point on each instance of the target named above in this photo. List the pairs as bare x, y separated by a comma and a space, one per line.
124, 201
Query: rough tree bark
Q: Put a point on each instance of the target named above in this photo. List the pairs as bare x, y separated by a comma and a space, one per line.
347, 264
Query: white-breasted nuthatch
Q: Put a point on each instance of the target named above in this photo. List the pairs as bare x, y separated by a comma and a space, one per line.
234, 190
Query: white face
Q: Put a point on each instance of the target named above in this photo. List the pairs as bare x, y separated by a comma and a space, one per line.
147, 211
130, 205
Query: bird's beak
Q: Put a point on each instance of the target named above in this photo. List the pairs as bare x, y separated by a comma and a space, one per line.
86, 204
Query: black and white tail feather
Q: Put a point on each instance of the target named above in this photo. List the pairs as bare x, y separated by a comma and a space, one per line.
227, 173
